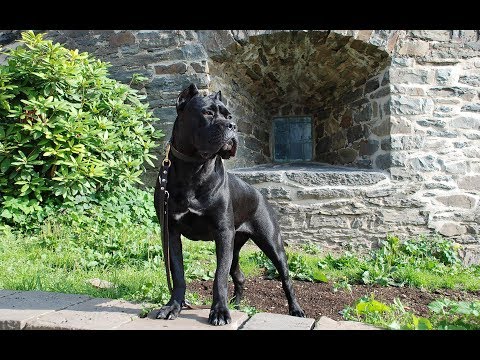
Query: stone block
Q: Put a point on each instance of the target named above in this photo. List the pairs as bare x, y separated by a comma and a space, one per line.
451, 229
175, 68
329, 221
411, 76
321, 194
461, 92
458, 201
426, 163
472, 80
458, 167
413, 48
403, 105
407, 142
122, 38
466, 122
347, 156
157, 39
178, 82
187, 320
445, 76
18, 308
471, 108
269, 321
94, 314
435, 35
471, 182
383, 161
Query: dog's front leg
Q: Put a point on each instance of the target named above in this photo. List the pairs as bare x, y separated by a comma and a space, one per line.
172, 309
219, 313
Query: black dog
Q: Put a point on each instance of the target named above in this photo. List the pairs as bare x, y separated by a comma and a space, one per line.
207, 203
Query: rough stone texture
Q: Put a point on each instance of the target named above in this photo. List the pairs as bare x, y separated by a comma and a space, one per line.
7, 292
335, 178
187, 320
268, 321
405, 103
451, 229
461, 201
18, 308
325, 323
471, 182
94, 314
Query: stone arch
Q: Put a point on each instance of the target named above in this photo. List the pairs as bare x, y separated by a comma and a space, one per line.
338, 78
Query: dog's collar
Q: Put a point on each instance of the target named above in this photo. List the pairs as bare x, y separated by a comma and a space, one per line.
186, 158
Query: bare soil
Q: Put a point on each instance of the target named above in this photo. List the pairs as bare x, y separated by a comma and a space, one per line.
318, 299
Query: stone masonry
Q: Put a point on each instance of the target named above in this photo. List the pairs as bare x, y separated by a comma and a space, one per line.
396, 114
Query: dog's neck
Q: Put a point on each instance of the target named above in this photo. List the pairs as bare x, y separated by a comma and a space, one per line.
199, 171
181, 144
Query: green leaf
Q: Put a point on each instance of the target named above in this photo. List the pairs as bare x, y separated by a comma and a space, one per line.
371, 306
5, 164
421, 323
7, 214
436, 306
319, 276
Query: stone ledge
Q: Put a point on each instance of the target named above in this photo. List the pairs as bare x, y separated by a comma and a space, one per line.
310, 175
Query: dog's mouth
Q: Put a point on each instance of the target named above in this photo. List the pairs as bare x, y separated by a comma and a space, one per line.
229, 149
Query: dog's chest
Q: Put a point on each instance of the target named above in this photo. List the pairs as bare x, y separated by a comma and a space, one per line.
183, 204
179, 215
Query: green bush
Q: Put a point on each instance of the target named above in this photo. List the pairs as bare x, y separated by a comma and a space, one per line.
67, 130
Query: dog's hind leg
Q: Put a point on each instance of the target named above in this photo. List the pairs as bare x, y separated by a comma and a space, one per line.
267, 237
235, 272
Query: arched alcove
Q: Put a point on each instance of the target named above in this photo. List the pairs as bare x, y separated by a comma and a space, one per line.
338, 83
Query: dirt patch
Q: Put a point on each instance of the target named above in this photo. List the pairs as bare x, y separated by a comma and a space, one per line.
319, 299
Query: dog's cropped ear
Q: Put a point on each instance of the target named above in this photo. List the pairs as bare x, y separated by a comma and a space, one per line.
185, 96
218, 96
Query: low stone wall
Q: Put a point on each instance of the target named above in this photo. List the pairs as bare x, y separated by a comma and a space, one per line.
336, 207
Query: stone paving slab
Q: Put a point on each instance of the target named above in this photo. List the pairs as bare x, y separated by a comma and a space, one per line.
94, 314
7, 292
187, 320
268, 321
17, 308
325, 323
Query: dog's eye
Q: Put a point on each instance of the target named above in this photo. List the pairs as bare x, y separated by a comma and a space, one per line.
208, 112
229, 117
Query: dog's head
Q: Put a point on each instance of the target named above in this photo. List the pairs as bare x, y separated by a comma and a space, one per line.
207, 122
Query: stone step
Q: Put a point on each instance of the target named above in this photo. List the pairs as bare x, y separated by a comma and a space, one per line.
269, 321
40, 310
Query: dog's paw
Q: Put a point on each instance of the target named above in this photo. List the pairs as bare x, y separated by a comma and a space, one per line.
219, 316
297, 312
168, 312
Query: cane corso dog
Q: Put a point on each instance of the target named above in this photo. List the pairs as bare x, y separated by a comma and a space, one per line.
208, 203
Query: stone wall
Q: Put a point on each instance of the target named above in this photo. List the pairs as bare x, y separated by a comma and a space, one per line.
354, 126
403, 103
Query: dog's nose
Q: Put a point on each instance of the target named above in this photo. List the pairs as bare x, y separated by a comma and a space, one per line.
232, 126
